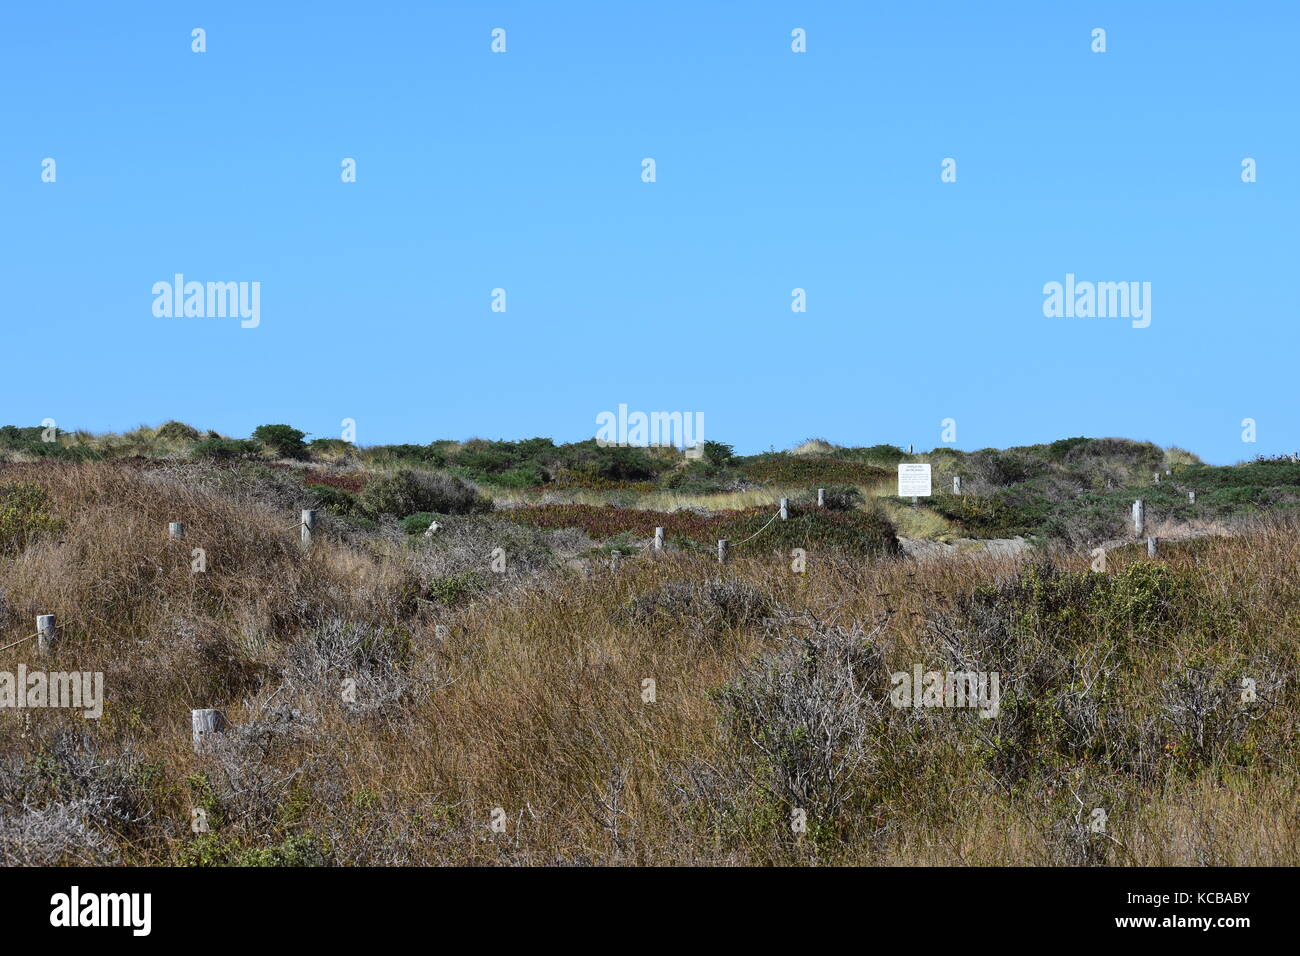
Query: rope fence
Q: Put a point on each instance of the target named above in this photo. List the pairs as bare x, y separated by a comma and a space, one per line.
21, 641
775, 515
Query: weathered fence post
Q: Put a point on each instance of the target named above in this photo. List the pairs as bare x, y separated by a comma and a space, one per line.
1139, 517
1191, 497
821, 497
722, 551
308, 526
785, 508
1153, 547
44, 633
613, 559
1157, 477
176, 529
659, 539
909, 449
956, 484
203, 724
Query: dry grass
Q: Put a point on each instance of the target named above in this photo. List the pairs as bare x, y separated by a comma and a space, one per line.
529, 698
652, 501
918, 521
814, 446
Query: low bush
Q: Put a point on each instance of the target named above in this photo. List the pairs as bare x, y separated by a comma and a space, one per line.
25, 512
335, 500
226, 449
404, 492
330, 447
178, 432
454, 590
418, 523
702, 478
718, 453
282, 440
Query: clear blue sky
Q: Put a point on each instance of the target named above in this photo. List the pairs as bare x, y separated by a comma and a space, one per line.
775, 170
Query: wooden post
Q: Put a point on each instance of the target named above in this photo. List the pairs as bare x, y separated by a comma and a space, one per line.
613, 559
1153, 547
176, 529
1157, 477
44, 634
659, 539
1139, 517
1191, 497
956, 484
308, 526
203, 724
785, 508
722, 551
821, 497
909, 449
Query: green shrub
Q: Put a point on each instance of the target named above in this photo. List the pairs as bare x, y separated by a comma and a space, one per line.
1004, 468
1053, 603
32, 441
1060, 450
394, 494
24, 513
701, 478
418, 523
283, 440
178, 432
528, 475
335, 500
718, 453
431, 454
880, 454
454, 589
213, 849
615, 464
12, 436
330, 446
983, 517
448, 495
225, 449
296, 850
1142, 598
404, 492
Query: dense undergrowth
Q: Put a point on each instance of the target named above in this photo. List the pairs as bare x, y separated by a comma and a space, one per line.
1075, 491
481, 695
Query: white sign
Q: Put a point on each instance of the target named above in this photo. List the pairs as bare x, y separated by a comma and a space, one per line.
913, 481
